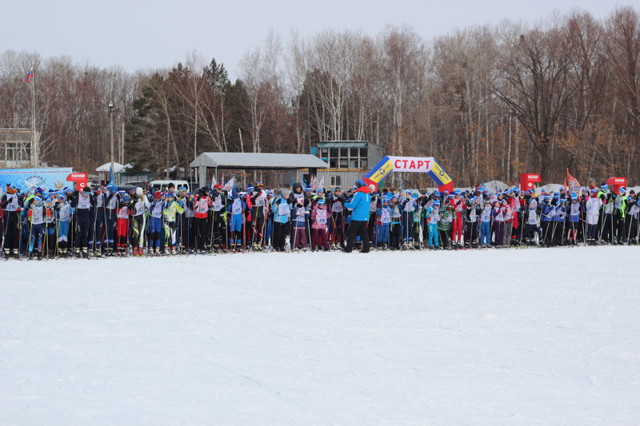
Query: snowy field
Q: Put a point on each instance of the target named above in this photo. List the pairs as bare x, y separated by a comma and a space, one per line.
539, 336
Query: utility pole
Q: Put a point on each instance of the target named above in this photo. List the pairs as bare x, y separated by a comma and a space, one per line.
166, 175
122, 145
195, 133
35, 148
111, 108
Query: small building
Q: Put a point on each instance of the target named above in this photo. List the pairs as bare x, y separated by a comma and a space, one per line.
348, 161
16, 146
250, 166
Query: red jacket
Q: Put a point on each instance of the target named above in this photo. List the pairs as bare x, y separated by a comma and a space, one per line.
459, 206
201, 207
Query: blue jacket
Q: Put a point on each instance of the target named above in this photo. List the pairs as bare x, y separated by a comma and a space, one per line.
277, 217
360, 204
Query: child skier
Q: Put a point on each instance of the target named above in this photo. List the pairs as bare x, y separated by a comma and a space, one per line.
156, 210
122, 225
299, 221
433, 217
396, 224
64, 213
171, 210
139, 221
383, 222
36, 216
319, 219
574, 219
485, 224
281, 215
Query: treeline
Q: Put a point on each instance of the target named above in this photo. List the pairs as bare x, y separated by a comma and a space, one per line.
488, 102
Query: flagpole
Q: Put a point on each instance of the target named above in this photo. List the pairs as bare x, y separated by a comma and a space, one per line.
35, 149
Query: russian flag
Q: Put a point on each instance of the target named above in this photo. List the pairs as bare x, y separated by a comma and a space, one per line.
29, 75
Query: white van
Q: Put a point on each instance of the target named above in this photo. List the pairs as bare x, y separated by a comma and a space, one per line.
159, 184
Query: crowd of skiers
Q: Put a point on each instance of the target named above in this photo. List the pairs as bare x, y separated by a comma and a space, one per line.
107, 220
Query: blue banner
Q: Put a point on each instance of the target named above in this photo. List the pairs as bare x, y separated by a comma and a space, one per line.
27, 179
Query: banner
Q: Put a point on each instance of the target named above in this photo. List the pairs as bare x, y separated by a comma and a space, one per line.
28, 179
572, 184
410, 165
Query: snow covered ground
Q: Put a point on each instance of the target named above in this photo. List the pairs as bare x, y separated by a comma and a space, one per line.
540, 336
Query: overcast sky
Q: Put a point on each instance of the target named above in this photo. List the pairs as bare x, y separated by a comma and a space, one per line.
146, 34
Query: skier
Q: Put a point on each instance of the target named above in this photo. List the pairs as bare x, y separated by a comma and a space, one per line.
433, 217
122, 226
499, 216
36, 217
171, 210
49, 238
201, 212
546, 220
408, 205
619, 213
319, 219
383, 222
593, 206
573, 222
139, 222
444, 225
281, 215
64, 213
82, 202
299, 221
472, 217
485, 224
236, 208
111, 205
459, 206
12, 205
395, 230
531, 228
96, 222
156, 210
337, 218
359, 217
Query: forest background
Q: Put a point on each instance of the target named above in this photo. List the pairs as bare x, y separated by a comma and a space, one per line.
488, 102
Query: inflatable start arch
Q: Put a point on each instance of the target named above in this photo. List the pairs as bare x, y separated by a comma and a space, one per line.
426, 165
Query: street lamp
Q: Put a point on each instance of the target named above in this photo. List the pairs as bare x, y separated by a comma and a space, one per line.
111, 108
